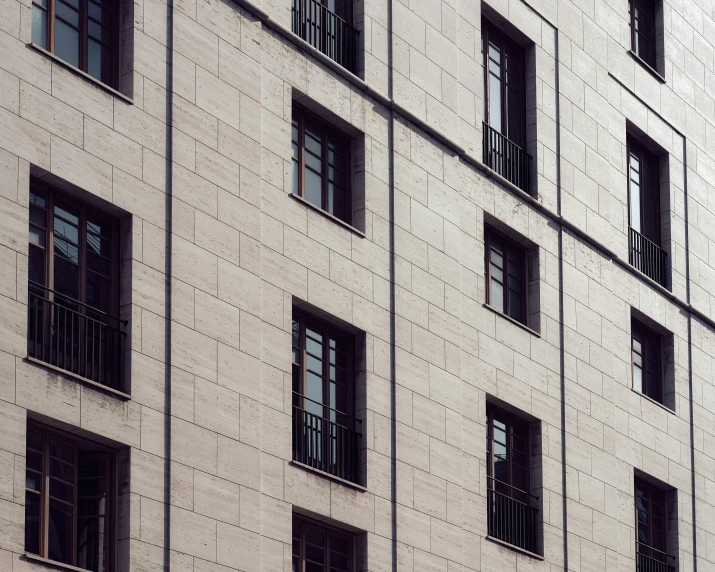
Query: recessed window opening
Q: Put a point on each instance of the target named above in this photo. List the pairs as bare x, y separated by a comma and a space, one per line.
69, 494
318, 547
506, 275
656, 527
321, 164
84, 33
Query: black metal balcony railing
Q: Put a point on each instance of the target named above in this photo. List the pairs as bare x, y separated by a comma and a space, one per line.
326, 32
646, 256
72, 336
506, 158
511, 520
649, 559
324, 444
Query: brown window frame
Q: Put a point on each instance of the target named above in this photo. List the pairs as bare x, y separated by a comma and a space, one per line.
84, 209
328, 329
299, 114
515, 53
83, 31
329, 532
650, 58
651, 344
509, 246
659, 546
45, 495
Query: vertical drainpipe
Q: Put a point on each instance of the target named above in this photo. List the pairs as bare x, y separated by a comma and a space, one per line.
690, 350
562, 374
167, 286
393, 367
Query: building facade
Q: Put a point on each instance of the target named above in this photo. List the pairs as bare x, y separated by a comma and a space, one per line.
357, 285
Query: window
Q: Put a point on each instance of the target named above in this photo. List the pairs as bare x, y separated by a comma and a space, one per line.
644, 217
504, 107
512, 516
68, 499
84, 33
651, 528
73, 287
319, 548
506, 275
324, 429
327, 26
646, 348
642, 26
321, 164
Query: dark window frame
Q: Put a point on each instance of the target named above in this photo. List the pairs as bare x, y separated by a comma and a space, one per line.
328, 330
45, 495
330, 534
651, 343
510, 246
646, 159
52, 194
660, 542
647, 9
83, 31
299, 115
508, 49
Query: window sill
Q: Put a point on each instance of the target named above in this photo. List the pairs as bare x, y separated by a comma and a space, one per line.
80, 73
512, 320
79, 378
329, 476
514, 548
328, 215
653, 401
647, 66
53, 563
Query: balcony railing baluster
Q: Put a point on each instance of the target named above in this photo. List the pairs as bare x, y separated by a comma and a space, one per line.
510, 519
74, 337
506, 158
646, 256
326, 32
324, 444
649, 559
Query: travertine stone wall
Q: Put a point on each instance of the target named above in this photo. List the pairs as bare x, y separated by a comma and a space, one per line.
194, 157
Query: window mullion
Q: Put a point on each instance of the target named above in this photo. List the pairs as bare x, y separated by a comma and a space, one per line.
325, 169
45, 501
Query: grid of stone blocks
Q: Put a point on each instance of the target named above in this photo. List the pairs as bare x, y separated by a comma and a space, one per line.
240, 252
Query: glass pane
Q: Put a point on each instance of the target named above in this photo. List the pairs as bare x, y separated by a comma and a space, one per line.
637, 378
515, 306
295, 336
90, 543
295, 177
337, 203
99, 264
314, 162
99, 32
34, 440
313, 191
66, 230
69, 251
34, 460
33, 480
38, 197
62, 491
39, 26
61, 470
495, 103
314, 391
69, 15
66, 43
60, 532
32, 523
66, 278
62, 450
36, 265
38, 216
314, 364
314, 536
99, 292
37, 236
497, 296
313, 138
